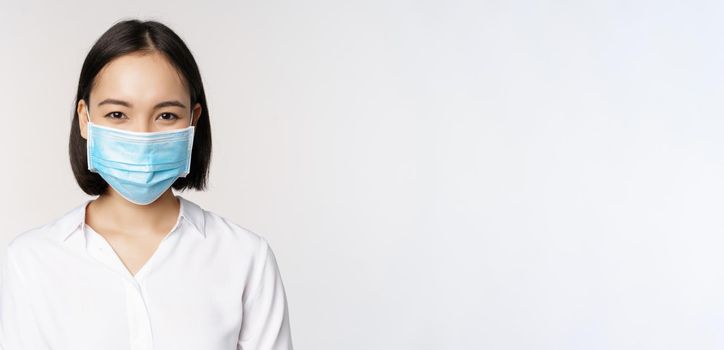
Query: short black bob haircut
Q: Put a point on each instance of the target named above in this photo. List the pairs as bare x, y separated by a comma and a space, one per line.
131, 36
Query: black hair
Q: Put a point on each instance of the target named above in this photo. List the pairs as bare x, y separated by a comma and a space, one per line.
132, 36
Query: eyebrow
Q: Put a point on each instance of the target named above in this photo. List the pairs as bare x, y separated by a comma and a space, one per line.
169, 103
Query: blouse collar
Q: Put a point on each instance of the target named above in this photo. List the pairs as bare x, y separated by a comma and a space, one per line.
73, 219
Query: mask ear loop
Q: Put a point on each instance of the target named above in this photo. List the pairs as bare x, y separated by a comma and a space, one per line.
89, 143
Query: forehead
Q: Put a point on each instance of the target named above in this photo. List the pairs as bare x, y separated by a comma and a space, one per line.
140, 78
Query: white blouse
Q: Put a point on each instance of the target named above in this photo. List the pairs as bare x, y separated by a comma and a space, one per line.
210, 285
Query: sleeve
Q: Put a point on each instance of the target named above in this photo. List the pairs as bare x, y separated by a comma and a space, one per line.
265, 321
18, 327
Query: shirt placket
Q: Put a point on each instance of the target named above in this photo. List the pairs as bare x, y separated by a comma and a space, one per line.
139, 323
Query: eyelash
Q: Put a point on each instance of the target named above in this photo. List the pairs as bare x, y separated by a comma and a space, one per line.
175, 117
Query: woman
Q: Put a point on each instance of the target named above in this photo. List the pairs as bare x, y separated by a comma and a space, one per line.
139, 267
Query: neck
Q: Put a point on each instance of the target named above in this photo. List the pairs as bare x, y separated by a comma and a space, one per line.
113, 212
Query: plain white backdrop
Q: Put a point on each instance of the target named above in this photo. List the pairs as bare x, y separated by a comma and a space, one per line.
431, 174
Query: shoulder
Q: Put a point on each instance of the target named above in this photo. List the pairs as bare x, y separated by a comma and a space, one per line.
36, 240
230, 233
31, 236
31, 245
232, 242
27, 239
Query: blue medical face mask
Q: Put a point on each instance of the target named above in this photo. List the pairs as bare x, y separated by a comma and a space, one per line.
140, 166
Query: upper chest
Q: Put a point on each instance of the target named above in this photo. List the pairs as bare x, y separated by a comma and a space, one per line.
189, 290
132, 251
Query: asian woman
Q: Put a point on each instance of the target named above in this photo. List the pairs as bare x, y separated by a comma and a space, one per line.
138, 266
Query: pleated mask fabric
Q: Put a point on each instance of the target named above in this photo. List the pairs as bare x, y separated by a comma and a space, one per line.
140, 166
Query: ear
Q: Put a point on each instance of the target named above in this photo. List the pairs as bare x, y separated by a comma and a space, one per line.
82, 119
196, 114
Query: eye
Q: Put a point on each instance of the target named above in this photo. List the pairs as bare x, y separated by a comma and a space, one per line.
170, 116
114, 115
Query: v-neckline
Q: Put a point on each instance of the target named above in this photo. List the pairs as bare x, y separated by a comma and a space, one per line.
118, 261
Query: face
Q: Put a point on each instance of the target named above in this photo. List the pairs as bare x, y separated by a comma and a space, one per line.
139, 92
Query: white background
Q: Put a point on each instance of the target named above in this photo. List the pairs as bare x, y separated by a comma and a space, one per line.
431, 175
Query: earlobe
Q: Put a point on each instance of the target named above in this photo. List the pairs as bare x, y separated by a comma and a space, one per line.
82, 120
83, 127
196, 114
